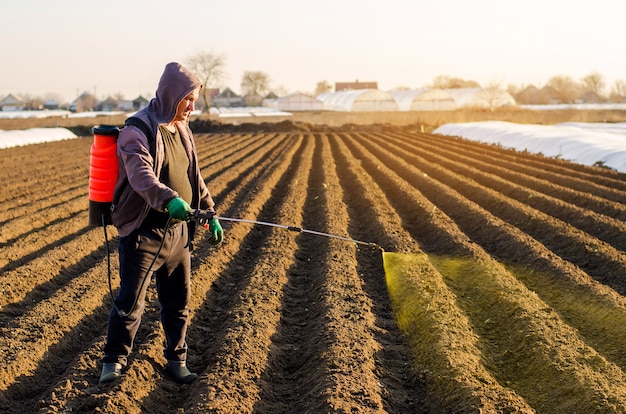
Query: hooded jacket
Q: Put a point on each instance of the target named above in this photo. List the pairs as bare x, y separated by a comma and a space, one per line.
138, 187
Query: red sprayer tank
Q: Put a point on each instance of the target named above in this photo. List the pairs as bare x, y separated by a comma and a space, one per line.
102, 173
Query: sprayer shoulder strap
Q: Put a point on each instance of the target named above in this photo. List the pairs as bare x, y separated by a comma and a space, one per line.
134, 121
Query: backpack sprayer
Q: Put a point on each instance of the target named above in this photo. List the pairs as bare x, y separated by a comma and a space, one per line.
103, 174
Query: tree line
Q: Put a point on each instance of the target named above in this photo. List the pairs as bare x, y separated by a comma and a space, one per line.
210, 68
558, 89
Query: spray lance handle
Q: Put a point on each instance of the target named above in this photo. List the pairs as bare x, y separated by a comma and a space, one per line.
202, 217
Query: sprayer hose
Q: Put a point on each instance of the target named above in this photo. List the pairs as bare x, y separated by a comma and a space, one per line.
120, 312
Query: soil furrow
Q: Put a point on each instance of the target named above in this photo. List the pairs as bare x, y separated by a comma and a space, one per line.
516, 326
597, 258
229, 312
38, 201
230, 152
43, 328
290, 372
604, 227
132, 390
490, 299
564, 172
41, 273
546, 274
400, 387
42, 228
443, 337
354, 385
44, 175
607, 201
391, 357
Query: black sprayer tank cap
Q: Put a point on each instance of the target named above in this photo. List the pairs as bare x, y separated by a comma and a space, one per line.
106, 130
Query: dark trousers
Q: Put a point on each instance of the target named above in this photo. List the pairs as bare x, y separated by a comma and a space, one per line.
172, 272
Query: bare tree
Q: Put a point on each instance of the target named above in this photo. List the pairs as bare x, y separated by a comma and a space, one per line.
209, 67
53, 96
566, 87
594, 82
322, 87
492, 92
447, 82
254, 83
281, 90
618, 91
31, 102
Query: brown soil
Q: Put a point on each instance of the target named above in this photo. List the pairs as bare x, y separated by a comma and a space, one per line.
513, 297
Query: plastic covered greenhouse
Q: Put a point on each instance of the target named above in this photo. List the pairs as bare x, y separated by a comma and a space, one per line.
423, 100
480, 98
360, 100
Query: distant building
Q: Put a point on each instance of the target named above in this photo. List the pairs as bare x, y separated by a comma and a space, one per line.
481, 98
108, 105
531, 95
350, 86
253, 99
591, 97
139, 103
85, 102
227, 98
423, 100
12, 103
365, 100
212, 93
51, 104
295, 102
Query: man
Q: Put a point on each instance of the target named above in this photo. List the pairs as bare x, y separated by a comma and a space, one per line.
159, 179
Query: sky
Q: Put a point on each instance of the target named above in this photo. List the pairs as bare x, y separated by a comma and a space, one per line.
65, 47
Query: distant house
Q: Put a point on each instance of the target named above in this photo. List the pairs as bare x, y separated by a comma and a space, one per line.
351, 86
531, 95
227, 98
125, 105
211, 93
12, 103
253, 99
85, 102
108, 105
139, 103
591, 97
51, 104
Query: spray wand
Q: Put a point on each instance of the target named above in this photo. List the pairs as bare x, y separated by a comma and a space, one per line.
202, 217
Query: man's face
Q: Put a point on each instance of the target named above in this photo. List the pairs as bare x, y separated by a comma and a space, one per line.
183, 111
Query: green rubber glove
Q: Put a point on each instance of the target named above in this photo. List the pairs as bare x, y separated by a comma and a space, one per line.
178, 209
217, 233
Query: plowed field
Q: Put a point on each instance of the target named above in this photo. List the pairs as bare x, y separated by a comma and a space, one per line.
505, 288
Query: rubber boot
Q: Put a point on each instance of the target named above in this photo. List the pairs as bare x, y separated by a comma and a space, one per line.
178, 371
110, 371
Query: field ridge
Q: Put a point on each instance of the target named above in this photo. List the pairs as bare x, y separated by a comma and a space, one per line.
501, 287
